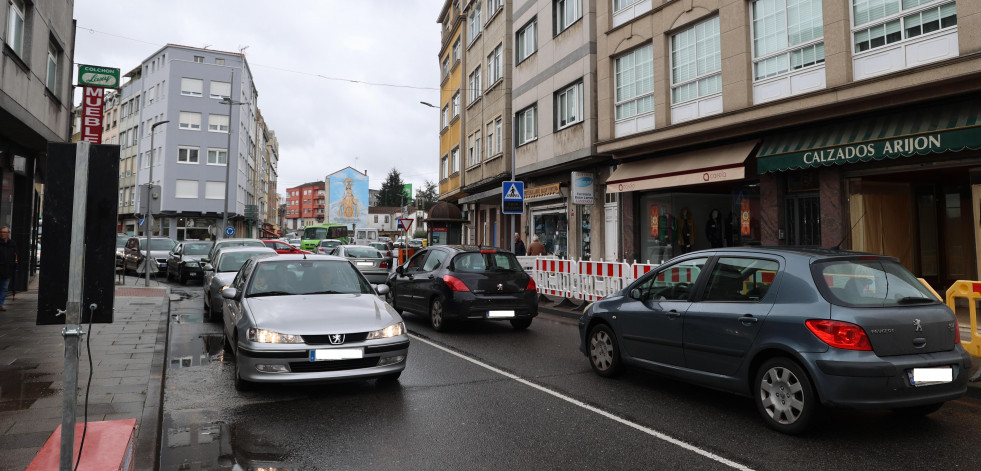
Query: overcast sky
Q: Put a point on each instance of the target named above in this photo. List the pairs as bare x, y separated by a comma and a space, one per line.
297, 50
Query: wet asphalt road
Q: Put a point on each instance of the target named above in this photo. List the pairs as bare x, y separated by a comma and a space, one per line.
486, 397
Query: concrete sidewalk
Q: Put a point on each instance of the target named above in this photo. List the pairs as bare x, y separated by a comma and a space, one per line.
128, 358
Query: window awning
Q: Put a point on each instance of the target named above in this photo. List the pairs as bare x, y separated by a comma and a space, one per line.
690, 168
949, 127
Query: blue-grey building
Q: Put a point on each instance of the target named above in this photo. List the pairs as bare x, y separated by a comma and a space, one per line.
190, 88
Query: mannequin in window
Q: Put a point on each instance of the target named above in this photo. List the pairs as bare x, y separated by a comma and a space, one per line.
686, 231
714, 229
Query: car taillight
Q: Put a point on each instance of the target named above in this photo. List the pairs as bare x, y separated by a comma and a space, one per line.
454, 283
488, 251
321, 250
383, 265
840, 334
531, 285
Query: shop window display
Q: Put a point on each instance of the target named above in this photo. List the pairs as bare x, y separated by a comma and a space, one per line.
552, 230
585, 232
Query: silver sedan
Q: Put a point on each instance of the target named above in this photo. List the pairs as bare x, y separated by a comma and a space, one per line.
369, 260
310, 318
219, 274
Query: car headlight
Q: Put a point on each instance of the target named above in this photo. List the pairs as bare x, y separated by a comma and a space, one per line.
268, 336
191, 264
393, 330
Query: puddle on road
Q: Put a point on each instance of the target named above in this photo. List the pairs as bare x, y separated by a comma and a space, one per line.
207, 349
217, 445
19, 389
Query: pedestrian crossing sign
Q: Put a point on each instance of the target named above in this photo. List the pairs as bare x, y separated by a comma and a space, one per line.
512, 197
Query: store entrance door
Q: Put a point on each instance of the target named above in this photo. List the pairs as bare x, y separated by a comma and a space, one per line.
610, 222
804, 219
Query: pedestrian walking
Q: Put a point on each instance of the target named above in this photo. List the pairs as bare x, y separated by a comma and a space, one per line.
8, 262
536, 247
519, 245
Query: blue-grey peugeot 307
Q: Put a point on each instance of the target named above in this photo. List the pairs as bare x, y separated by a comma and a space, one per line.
794, 329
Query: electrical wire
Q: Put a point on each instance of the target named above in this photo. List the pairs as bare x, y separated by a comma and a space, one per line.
88, 385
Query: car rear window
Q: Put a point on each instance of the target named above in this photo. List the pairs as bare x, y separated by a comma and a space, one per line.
362, 252
478, 262
196, 249
875, 282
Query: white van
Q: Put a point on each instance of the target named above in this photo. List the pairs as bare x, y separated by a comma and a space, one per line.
365, 236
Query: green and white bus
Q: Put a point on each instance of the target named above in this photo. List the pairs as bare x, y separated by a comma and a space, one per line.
312, 235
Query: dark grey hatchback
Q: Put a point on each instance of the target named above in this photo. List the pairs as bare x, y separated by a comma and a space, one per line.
795, 329
461, 282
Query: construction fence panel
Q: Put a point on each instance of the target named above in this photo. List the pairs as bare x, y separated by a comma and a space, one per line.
599, 279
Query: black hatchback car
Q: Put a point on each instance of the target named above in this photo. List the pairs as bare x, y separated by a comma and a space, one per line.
184, 262
458, 282
794, 329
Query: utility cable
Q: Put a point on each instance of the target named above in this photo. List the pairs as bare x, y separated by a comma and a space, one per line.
88, 385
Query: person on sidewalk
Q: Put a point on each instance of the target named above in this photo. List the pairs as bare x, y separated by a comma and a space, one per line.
536, 247
8, 261
519, 245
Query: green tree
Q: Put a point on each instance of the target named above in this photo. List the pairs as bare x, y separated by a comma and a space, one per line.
391, 189
428, 196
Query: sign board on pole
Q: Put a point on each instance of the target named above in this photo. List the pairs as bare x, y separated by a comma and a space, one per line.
582, 188
230, 231
512, 197
92, 101
95, 76
405, 224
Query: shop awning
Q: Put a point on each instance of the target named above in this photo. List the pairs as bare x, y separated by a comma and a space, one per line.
690, 168
949, 127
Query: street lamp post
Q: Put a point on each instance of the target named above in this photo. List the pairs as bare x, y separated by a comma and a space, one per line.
228, 161
148, 215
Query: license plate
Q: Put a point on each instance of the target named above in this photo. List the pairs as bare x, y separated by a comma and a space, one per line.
365, 264
500, 314
925, 376
336, 354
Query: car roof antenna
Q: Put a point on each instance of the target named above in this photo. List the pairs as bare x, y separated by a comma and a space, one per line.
849, 233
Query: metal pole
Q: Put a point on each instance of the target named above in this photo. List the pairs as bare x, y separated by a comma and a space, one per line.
149, 216
73, 331
514, 150
228, 157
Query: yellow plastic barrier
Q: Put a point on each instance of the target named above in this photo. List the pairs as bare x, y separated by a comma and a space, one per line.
970, 290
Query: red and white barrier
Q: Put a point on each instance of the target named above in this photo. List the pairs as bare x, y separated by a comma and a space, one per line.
557, 277
638, 270
599, 279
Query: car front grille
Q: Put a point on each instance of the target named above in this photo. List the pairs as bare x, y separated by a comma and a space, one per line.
325, 339
332, 365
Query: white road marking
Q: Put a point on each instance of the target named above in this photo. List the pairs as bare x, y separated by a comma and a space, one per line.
649, 431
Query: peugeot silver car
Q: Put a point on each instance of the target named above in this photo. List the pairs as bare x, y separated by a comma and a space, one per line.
310, 318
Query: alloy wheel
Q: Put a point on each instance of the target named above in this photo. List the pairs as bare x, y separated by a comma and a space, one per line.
782, 395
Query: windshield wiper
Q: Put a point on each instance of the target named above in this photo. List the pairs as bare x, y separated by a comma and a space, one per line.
916, 300
269, 293
325, 292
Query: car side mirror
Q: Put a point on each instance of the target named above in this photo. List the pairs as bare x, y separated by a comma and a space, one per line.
400, 270
207, 267
382, 289
229, 293
635, 294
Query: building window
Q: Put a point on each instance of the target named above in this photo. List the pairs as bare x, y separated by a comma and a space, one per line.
621, 4
493, 6
527, 122
219, 61
217, 156
490, 139
190, 120
54, 57
526, 41
787, 35
220, 90
199, 59
186, 189
634, 78
495, 65
446, 67
498, 146
445, 116
187, 155
895, 20
214, 190
473, 83
218, 123
456, 51
567, 12
473, 150
474, 23
696, 62
444, 167
455, 160
569, 106
456, 104
191, 87
15, 27
376, 219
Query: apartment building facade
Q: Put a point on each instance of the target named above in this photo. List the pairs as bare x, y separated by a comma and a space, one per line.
305, 205
38, 46
451, 62
813, 122
186, 87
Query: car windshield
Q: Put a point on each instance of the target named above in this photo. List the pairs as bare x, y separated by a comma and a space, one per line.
296, 277
197, 249
479, 262
379, 246
362, 252
315, 233
161, 244
330, 243
242, 243
877, 282
232, 261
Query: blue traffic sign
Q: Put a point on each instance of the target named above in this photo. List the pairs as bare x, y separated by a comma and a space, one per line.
141, 222
229, 231
512, 197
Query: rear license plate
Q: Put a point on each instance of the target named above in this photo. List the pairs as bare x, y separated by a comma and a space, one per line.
336, 354
927, 376
499, 314
365, 264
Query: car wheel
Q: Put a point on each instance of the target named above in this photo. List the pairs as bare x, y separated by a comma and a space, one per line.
436, 318
919, 410
390, 299
520, 324
604, 353
785, 397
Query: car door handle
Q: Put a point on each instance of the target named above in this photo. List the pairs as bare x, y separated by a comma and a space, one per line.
748, 319
673, 313
431, 277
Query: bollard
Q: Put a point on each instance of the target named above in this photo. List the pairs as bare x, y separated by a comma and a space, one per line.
970, 290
